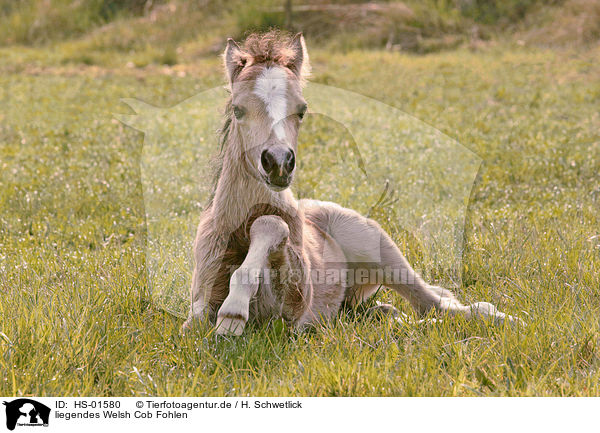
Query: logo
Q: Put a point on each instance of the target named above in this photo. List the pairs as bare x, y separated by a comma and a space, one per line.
26, 412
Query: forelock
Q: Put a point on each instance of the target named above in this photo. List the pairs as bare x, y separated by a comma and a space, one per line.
274, 47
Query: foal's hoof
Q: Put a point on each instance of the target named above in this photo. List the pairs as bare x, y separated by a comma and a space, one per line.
187, 326
487, 310
384, 310
230, 326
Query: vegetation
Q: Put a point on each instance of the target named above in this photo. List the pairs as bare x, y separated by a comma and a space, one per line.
146, 28
76, 310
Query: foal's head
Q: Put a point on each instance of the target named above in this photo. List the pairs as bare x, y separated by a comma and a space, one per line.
266, 75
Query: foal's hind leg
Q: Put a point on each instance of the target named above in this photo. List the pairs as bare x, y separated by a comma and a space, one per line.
268, 236
369, 248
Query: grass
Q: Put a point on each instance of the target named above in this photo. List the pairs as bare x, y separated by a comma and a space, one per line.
92, 32
76, 311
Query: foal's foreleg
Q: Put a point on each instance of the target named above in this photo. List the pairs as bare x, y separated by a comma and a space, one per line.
268, 236
208, 252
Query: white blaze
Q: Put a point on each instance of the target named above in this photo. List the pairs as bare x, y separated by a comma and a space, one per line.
271, 88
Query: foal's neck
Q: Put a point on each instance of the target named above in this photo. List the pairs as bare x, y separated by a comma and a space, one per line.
238, 192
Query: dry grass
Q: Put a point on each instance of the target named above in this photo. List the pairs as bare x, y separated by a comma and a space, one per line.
574, 23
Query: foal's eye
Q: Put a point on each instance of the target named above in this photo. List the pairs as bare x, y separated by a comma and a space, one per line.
302, 110
238, 112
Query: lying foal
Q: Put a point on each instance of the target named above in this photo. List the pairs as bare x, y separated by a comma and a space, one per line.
259, 252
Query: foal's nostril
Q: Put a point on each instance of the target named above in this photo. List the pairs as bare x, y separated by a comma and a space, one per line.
290, 162
267, 160
278, 163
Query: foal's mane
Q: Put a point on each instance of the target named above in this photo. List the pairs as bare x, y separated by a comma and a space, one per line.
272, 47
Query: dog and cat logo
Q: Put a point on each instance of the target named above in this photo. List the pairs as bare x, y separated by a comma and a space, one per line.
26, 412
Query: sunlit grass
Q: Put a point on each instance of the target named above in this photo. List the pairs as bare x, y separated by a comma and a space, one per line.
76, 316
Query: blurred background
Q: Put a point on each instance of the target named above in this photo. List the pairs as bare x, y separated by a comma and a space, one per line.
176, 31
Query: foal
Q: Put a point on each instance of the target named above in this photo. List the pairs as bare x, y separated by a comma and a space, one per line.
261, 253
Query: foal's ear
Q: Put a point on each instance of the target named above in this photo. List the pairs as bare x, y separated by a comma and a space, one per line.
300, 65
234, 59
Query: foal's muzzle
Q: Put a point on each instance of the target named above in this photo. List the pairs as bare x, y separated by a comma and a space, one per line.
278, 163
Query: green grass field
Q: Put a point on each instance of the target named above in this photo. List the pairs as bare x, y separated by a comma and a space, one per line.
76, 312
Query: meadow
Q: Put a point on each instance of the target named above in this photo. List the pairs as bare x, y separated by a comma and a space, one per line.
77, 314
